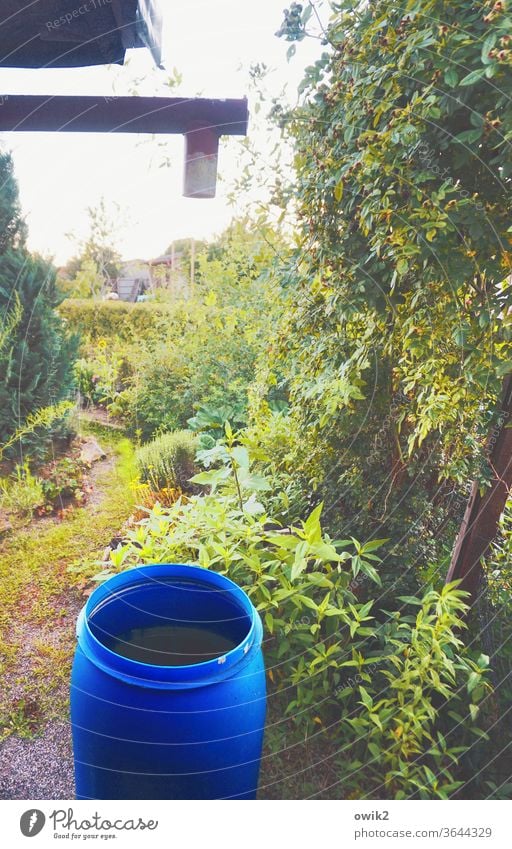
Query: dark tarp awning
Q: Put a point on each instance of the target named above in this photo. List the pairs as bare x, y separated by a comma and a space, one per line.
74, 33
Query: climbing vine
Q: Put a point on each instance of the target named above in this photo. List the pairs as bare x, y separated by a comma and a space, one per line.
400, 331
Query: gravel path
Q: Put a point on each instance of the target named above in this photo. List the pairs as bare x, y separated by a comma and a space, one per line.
40, 767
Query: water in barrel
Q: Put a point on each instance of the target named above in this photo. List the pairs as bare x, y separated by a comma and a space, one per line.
170, 645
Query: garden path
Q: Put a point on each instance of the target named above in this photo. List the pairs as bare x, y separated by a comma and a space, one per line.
39, 602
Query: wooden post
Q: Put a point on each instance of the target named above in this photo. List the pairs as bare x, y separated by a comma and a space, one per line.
481, 519
201, 159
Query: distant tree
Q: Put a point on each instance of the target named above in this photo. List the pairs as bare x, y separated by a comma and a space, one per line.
87, 281
12, 225
183, 247
97, 250
183, 252
36, 354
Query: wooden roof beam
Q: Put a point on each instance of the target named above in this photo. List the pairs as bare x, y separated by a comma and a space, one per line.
201, 120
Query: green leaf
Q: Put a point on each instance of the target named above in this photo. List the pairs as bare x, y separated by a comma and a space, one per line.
451, 77
211, 478
474, 711
307, 602
300, 562
376, 720
257, 483
375, 750
241, 456
308, 11
312, 528
366, 698
473, 77
370, 570
473, 681
373, 545
253, 507
487, 46
469, 136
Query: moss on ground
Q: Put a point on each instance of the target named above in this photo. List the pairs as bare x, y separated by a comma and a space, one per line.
41, 591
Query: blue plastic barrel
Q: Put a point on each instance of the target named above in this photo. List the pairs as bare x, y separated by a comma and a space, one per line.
168, 688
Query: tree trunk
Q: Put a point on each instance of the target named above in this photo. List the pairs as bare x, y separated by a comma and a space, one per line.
480, 523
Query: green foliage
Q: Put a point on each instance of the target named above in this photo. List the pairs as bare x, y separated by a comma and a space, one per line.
94, 270
42, 420
187, 357
499, 567
295, 19
23, 493
36, 356
98, 376
207, 356
12, 226
399, 330
168, 462
330, 659
63, 482
36, 362
210, 420
496, 620
231, 462
87, 283
397, 733
411, 226
12, 319
108, 319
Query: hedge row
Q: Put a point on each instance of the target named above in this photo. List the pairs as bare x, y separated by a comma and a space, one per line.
98, 319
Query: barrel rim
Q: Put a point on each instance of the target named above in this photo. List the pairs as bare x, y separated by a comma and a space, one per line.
144, 674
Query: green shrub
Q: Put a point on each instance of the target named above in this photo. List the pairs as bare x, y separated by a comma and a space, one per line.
36, 362
98, 377
109, 319
397, 334
23, 493
207, 357
187, 354
495, 624
36, 355
168, 461
64, 481
398, 690
13, 229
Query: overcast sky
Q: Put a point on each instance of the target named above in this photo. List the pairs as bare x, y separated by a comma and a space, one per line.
212, 44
